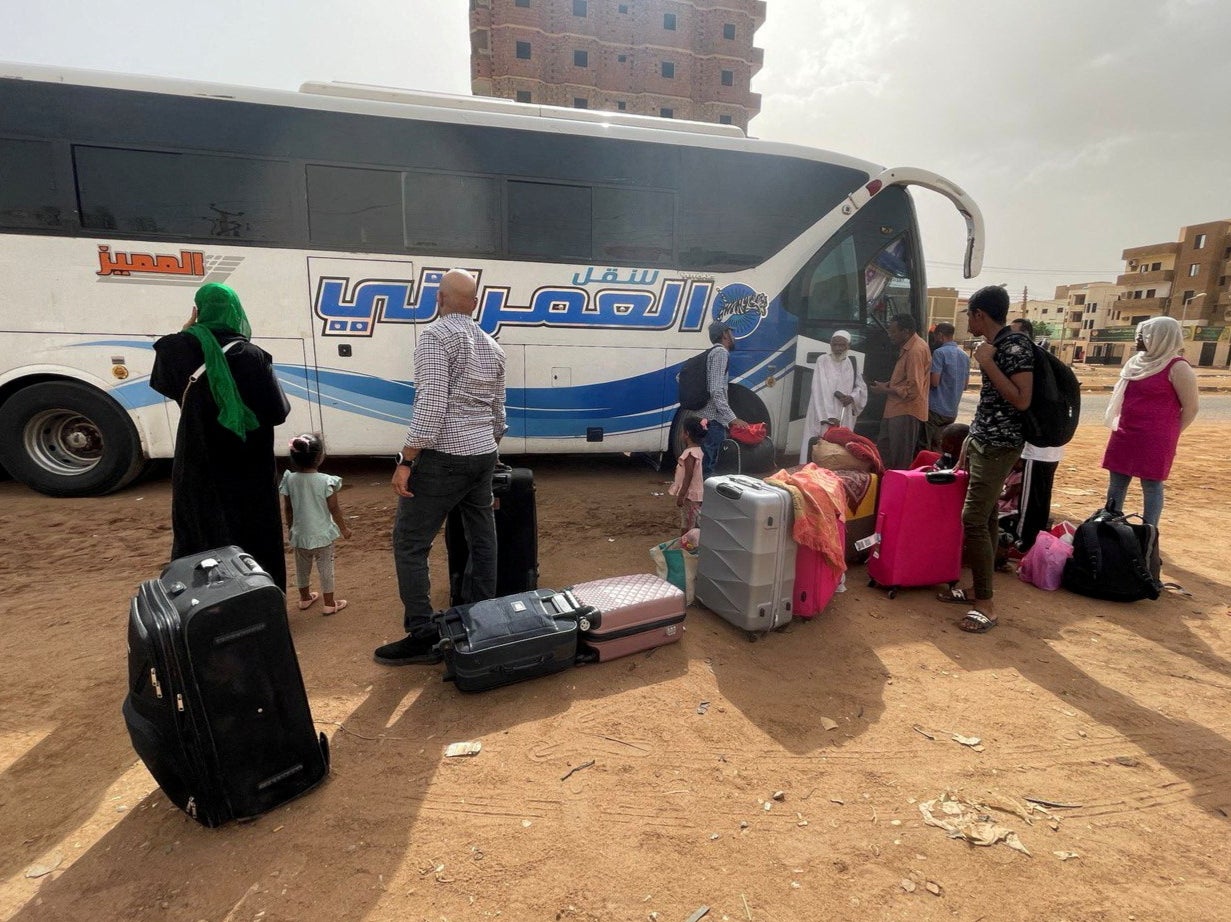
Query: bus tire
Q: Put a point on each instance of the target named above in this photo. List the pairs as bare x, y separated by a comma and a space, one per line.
65, 438
744, 404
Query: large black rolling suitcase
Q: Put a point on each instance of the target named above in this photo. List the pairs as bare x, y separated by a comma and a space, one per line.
517, 538
506, 640
737, 458
216, 706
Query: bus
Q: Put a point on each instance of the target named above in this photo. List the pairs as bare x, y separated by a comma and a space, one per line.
603, 244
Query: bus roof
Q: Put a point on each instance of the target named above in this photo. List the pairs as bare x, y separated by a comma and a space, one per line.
509, 107
412, 104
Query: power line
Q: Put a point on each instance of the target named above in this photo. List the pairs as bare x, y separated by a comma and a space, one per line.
1064, 271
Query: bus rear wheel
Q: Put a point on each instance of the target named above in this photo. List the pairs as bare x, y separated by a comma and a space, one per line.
64, 438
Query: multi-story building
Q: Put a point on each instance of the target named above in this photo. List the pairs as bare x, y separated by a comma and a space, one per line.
1088, 308
1186, 279
690, 59
942, 306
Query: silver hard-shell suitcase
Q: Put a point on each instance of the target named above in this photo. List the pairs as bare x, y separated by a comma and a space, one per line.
746, 573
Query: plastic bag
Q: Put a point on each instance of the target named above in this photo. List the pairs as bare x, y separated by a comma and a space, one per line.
1043, 565
752, 434
677, 566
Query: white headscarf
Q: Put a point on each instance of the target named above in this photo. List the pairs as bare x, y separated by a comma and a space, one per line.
1164, 340
839, 334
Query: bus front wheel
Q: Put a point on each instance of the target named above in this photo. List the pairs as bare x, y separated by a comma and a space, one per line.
64, 438
745, 404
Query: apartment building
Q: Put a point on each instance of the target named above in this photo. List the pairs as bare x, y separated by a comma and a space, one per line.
1088, 309
1186, 279
689, 59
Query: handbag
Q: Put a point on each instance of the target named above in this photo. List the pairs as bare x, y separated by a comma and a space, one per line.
1043, 565
1114, 559
677, 565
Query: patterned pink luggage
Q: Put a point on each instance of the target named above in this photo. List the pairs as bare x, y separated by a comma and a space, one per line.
634, 613
919, 527
815, 580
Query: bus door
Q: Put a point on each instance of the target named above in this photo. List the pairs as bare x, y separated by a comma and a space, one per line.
365, 313
865, 274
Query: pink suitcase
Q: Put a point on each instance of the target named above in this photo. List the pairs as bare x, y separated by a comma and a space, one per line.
815, 580
634, 613
919, 527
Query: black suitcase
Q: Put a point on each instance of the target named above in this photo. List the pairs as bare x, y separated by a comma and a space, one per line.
216, 706
516, 637
737, 458
517, 538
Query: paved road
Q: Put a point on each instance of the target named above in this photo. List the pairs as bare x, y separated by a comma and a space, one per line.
1215, 407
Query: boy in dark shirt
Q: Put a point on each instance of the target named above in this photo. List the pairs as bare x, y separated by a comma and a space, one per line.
1006, 360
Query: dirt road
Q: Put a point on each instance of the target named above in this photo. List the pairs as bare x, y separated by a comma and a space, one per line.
1116, 711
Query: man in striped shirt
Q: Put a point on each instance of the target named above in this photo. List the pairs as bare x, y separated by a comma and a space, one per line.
717, 411
447, 461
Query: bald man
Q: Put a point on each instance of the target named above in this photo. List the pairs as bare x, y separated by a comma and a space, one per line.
447, 461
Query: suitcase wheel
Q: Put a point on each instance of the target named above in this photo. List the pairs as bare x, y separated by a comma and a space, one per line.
871, 583
753, 636
893, 593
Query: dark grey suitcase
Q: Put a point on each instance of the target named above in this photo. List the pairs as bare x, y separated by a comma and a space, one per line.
216, 707
510, 639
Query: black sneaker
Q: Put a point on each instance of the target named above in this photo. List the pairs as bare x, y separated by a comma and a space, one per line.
409, 651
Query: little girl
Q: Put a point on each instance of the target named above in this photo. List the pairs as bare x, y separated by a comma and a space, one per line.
314, 519
689, 486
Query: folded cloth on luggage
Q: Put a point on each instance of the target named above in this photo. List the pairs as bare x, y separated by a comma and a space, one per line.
819, 499
857, 445
856, 487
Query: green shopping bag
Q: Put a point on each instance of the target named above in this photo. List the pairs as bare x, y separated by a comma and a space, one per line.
676, 565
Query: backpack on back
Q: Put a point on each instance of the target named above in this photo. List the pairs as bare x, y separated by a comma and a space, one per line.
1055, 403
694, 390
1114, 559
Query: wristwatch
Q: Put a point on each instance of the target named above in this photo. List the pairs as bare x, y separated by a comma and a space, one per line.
400, 460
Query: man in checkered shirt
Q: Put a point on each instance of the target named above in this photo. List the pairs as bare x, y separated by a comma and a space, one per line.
447, 461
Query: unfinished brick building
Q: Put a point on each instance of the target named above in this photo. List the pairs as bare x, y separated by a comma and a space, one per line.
690, 59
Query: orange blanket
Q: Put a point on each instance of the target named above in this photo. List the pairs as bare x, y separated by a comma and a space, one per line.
858, 445
819, 500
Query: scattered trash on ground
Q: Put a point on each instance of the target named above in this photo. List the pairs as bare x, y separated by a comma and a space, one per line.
1065, 856
969, 820
829, 723
576, 768
703, 707
463, 749
46, 866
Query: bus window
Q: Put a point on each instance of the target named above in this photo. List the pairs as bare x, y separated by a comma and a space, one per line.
633, 225
27, 185
833, 291
355, 207
887, 281
549, 220
183, 195
451, 214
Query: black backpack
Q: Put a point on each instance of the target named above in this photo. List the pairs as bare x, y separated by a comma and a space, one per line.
1055, 403
1114, 559
694, 388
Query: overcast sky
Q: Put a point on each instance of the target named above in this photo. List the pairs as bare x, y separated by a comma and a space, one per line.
1081, 127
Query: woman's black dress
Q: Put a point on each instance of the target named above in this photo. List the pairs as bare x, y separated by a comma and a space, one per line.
224, 490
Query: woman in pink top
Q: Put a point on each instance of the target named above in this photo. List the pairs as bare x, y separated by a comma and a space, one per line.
689, 485
1154, 401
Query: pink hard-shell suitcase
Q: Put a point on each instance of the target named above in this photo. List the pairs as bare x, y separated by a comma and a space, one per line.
815, 580
634, 613
918, 529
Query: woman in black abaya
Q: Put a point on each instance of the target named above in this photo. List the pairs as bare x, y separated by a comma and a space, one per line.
224, 487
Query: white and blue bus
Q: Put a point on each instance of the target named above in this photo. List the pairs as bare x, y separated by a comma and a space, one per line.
603, 243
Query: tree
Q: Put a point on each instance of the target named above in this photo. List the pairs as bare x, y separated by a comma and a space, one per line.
1043, 330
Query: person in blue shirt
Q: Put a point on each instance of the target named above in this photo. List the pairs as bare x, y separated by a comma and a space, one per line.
950, 372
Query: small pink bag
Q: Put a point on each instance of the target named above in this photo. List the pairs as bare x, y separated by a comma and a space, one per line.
1043, 565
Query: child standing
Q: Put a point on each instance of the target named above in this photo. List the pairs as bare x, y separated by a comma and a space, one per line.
689, 485
313, 518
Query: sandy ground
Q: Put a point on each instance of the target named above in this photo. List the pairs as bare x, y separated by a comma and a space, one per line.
1117, 711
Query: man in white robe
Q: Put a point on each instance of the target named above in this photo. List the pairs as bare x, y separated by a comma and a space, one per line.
838, 392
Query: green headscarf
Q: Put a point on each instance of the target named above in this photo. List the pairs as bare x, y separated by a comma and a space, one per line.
219, 311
